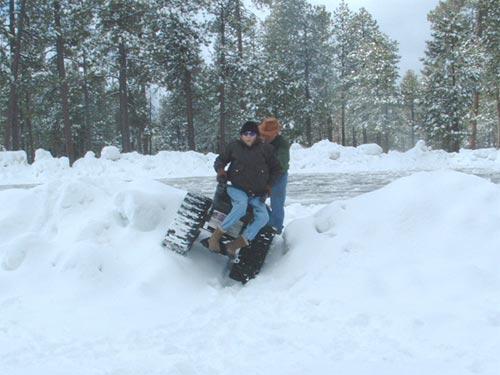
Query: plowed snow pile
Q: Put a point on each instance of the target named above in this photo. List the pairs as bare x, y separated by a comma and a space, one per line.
322, 157
403, 280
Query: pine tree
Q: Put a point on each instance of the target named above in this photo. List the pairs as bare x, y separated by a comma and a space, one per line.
231, 67
178, 40
122, 26
374, 105
344, 62
450, 74
488, 12
297, 52
323, 76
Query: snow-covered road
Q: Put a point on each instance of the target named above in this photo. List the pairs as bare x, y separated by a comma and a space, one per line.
322, 188
308, 189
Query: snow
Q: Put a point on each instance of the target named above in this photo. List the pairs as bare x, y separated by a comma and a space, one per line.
322, 157
110, 153
12, 158
402, 280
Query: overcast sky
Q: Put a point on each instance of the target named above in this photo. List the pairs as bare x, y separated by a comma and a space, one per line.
403, 20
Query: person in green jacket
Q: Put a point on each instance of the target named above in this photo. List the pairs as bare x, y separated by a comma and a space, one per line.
270, 132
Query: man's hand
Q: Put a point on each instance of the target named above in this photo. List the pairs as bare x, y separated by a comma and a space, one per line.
221, 175
267, 194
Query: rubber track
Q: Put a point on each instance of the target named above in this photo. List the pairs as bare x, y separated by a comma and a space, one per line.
186, 226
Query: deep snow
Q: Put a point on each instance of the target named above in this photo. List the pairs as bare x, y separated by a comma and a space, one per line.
402, 280
322, 157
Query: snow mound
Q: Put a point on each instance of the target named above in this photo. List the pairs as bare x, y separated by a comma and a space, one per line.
12, 158
110, 153
322, 157
79, 214
46, 167
370, 149
400, 280
41, 154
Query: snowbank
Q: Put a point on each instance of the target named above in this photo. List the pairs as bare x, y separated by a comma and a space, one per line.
12, 158
403, 280
322, 157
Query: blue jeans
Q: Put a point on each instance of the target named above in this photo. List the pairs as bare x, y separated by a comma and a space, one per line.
240, 201
278, 203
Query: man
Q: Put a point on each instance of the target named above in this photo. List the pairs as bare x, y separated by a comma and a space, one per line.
253, 169
270, 131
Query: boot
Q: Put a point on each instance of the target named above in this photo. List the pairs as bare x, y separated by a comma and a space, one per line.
236, 244
214, 240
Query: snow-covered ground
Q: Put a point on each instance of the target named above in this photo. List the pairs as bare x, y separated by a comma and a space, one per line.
323, 157
402, 280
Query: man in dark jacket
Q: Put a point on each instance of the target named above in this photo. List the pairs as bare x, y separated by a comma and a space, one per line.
253, 169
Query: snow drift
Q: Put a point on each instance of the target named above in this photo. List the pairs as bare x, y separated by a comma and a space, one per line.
322, 157
401, 280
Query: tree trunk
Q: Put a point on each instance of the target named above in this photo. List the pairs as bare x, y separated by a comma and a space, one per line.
85, 141
329, 128
238, 28
63, 84
498, 115
189, 108
365, 135
342, 120
239, 36
140, 123
476, 94
386, 131
124, 121
307, 89
473, 123
12, 133
343, 90
147, 131
222, 67
11, 106
454, 140
412, 113
56, 144
29, 125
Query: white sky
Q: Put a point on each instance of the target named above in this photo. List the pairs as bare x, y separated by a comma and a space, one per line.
403, 20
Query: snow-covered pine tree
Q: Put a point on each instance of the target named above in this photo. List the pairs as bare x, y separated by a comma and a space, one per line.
344, 61
122, 30
232, 27
296, 49
93, 110
178, 38
488, 13
322, 74
450, 74
373, 104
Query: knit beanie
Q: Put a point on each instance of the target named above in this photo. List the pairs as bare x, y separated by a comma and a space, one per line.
250, 126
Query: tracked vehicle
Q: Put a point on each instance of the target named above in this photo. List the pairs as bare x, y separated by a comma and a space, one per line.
197, 218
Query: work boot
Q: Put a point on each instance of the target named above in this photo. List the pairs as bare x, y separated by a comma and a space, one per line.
233, 246
214, 240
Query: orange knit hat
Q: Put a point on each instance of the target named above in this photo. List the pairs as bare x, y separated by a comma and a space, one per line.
269, 128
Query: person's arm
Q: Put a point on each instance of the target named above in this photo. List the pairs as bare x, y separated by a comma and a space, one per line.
223, 159
275, 169
283, 153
